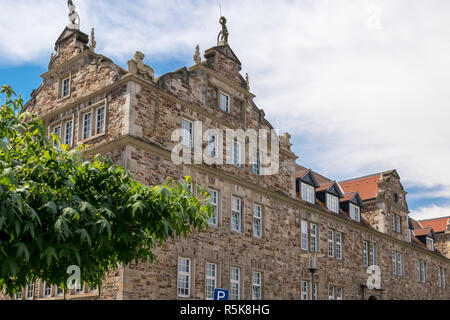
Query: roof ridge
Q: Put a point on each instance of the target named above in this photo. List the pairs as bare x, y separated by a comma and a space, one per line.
434, 219
358, 178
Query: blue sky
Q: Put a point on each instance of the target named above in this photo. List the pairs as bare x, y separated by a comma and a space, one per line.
361, 85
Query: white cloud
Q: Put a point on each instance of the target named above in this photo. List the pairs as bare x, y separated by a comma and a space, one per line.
430, 212
362, 85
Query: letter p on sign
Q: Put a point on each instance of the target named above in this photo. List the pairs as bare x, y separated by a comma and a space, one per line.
220, 294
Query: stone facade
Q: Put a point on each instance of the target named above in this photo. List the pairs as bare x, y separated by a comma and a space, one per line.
142, 113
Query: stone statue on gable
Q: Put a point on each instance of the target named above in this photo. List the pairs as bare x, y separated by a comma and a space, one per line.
74, 18
137, 66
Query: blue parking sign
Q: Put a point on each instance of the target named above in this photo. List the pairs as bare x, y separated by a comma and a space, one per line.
220, 294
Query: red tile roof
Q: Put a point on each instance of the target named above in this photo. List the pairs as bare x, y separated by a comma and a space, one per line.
348, 196
367, 187
438, 225
416, 224
421, 232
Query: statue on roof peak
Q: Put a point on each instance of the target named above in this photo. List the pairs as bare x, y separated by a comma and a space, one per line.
74, 18
222, 38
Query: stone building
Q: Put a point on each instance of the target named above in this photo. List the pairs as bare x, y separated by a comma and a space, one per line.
267, 227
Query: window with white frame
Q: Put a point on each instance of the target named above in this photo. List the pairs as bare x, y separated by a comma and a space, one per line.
257, 163
57, 132
184, 277
78, 288
399, 264
313, 291
65, 87
18, 295
304, 290
314, 238
304, 235
340, 293
257, 284
308, 193
212, 144
235, 284
188, 133
87, 125
257, 221
399, 224
331, 293
47, 291
100, 120
68, 133
338, 239
331, 243
355, 212
211, 280
394, 262
442, 277
225, 102
421, 271
430, 243
59, 291
214, 201
332, 203
29, 292
236, 214
369, 253
236, 153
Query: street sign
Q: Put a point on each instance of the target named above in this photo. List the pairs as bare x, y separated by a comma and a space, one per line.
220, 294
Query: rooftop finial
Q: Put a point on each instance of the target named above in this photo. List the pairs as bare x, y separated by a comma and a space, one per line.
222, 38
197, 57
93, 43
73, 16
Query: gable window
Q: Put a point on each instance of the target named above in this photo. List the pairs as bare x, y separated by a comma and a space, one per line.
430, 243
355, 212
188, 133
257, 163
65, 87
257, 221
87, 125
68, 132
236, 153
184, 277
332, 203
235, 284
308, 193
257, 283
212, 144
236, 214
214, 201
211, 280
225, 102
100, 121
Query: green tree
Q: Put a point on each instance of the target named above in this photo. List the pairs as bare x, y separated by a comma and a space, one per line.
57, 209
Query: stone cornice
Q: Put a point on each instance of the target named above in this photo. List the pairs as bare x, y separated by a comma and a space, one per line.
152, 147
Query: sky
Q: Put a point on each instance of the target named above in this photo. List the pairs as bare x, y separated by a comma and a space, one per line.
362, 85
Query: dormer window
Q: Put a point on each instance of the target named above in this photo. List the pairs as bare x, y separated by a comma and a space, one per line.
332, 203
430, 243
225, 102
355, 212
308, 193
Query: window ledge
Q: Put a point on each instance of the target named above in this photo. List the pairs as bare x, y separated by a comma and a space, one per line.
92, 137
